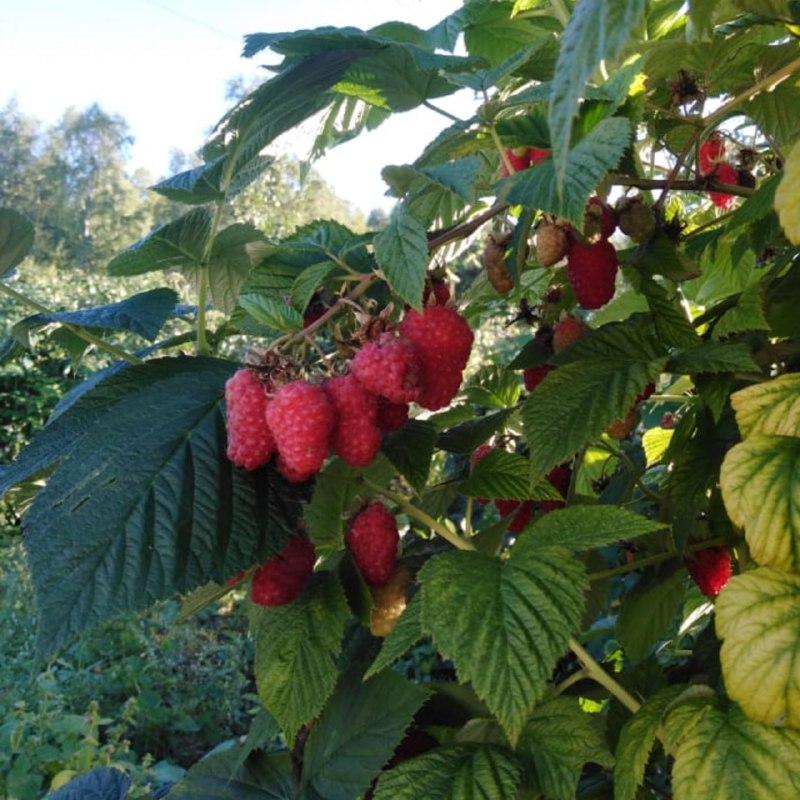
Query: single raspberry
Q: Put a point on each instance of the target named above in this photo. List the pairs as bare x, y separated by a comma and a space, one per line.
636, 219
592, 272
599, 220
436, 293
494, 262
389, 367
290, 473
560, 478
250, 441
389, 602
372, 539
537, 154
552, 243
710, 569
443, 341
522, 517
477, 454
518, 158
302, 419
356, 438
567, 331
535, 375
668, 420
724, 173
506, 507
710, 153
280, 579
391, 416
622, 428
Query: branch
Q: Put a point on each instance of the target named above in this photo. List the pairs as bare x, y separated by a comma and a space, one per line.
696, 185
464, 229
594, 671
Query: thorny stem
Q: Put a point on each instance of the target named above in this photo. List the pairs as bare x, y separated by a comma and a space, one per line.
99, 343
418, 514
465, 228
441, 111
594, 671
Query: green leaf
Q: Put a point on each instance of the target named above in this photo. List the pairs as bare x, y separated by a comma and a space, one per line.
100, 783
357, 734
636, 740
746, 315
401, 249
587, 527
466, 436
504, 624
762, 495
713, 357
493, 34
756, 617
503, 474
296, 647
148, 505
655, 443
661, 256
195, 186
588, 162
16, 239
493, 386
771, 407
558, 739
596, 30
672, 326
647, 614
236, 250
144, 314
453, 772
271, 312
724, 754
405, 634
178, 245
458, 177
411, 450
308, 282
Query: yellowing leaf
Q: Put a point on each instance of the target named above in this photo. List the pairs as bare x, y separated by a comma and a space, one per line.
760, 480
771, 407
787, 196
655, 443
758, 621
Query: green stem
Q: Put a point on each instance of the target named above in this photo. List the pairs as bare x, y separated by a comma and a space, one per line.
631, 467
205, 261
599, 675
500, 149
421, 516
99, 343
441, 111
560, 11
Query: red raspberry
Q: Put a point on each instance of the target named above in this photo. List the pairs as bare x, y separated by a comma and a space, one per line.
302, 418
391, 416
290, 473
389, 367
724, 173
356, 438
592, 271
645, 393
598, 219
567, 331
443, 341
710, 153
522, 517
710, 569
537, 154
559, 477
372, 539
518, 158
668, 420
280, 579
535, 375
506, 507
250, 441
437, 293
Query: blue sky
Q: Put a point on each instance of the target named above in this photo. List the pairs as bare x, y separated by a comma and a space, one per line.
163, 65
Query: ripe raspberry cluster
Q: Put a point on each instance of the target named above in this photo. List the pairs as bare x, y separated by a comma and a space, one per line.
521, 158
281, 578
423, 362
712, 162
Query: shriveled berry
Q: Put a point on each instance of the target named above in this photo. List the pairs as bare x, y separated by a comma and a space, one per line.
535, 375
356, 438
622, 428
250, 441
282, 577
567, 331
636, 219
372, 539
302, 419
495, 265
552, 243
389, 602
592, 272
710, 569
389, 367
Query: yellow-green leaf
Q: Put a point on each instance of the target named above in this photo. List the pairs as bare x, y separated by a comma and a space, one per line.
758, 619
787, 196
771, 407
655, 443
760, 480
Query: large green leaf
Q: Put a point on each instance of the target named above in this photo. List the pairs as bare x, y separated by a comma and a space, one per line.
714, 357
588, 162
411, 450
401, 249
504, 624
771, 407
466, 436
636, 740
148, 505
586, 527
503, 474
357, 734
454, 772
144, 314
761, 490
596, 30
724, 754
177, 245
16, 239
296, 650
236, 250
757, 619
558, 740
195, 186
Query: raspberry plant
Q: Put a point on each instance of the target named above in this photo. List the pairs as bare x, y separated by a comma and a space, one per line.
578, 657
